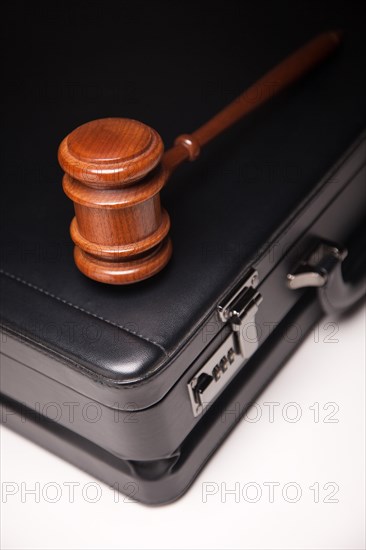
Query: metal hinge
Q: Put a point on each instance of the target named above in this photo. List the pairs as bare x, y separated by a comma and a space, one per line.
239, 310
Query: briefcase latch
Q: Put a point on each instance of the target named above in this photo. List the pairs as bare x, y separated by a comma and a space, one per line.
239, 310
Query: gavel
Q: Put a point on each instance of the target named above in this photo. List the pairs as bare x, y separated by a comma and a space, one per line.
116, 167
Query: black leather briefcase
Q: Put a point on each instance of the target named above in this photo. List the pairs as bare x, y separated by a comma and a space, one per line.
130, 383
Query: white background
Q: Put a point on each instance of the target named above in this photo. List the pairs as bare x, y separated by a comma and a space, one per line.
329, 370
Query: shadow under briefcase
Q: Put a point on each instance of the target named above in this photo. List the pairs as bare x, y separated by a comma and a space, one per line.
130, 382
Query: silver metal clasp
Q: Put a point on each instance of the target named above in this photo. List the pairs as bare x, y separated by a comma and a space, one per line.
239, 310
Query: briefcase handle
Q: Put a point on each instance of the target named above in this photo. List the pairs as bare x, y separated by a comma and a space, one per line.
341, 283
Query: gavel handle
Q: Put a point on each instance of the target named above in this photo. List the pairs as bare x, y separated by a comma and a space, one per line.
291, 69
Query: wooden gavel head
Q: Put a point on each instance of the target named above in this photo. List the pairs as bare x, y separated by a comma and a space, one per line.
113, 174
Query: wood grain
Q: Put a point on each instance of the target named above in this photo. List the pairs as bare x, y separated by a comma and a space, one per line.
111, 152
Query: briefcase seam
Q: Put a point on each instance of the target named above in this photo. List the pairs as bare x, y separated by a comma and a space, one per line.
79, 308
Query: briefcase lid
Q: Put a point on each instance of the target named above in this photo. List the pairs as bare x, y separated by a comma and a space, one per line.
224, 208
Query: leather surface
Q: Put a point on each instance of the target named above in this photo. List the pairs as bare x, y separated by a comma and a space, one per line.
172, 71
